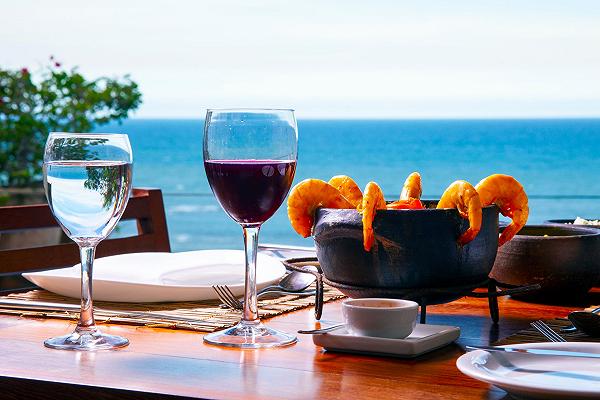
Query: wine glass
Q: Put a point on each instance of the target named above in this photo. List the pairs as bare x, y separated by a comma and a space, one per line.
87, 177
250, 161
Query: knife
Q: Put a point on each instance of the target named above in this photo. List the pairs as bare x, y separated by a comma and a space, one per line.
539, 352
284, 251
271, 246
15, 304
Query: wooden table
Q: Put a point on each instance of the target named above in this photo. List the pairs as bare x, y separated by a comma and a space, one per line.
168, 364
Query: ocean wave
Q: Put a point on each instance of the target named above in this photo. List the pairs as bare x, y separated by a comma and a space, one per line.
191, 208
182, 238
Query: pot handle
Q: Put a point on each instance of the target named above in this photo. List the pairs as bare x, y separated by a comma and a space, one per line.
309, 265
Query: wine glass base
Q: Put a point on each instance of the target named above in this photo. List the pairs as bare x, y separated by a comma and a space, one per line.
86, 341
250, 336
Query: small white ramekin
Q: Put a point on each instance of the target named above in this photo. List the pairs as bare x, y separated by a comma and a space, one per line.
386, 318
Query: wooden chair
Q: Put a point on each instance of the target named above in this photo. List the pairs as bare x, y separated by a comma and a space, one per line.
145, 206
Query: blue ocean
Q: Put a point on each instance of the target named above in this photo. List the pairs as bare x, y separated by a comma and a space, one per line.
557, 161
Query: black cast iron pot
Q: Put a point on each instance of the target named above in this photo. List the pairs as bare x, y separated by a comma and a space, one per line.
415, 252
564, 260
569, 222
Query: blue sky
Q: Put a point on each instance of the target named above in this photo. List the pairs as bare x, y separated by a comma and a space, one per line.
360, 59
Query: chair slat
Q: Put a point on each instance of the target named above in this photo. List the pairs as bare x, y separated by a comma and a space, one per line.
146, 206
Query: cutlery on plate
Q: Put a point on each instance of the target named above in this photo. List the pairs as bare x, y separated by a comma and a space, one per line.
545, 330
293, 283
322, 330
283, 251
231, 301
539, 352
29, 305
572, 327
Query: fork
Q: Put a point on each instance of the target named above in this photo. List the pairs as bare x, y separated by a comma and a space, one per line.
226, 296
545, 330
230, 300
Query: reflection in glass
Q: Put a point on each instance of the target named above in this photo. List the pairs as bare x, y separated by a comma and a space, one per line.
87, 178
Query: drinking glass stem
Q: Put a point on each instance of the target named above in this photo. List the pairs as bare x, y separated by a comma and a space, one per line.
86, 316
250, 314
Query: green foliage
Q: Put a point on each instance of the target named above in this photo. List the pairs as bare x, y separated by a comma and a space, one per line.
111, 182
53, 100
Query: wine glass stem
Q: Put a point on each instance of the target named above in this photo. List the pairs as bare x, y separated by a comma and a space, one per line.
86, 316
250, 314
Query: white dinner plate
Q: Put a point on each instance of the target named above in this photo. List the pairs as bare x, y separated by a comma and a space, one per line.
159, 277
539, 377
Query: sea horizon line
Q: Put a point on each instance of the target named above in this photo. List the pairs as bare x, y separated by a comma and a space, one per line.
334, 118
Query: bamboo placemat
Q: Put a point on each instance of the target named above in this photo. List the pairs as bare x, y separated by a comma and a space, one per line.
207, 315
532, 336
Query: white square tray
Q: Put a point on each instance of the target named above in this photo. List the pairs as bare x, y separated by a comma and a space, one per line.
423, 339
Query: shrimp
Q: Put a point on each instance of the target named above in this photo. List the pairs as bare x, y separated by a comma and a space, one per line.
463, 196
410, 204
372, 201
304, 200
348, 188
410, 196
412, 187
510, 197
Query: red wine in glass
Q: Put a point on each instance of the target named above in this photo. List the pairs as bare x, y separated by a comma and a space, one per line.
250, 191
250, 161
